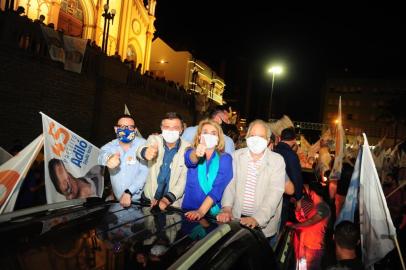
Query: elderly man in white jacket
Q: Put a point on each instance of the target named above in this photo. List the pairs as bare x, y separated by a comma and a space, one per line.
254, 195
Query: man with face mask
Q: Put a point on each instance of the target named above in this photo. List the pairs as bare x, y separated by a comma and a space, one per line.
165, 156
220, 116
127, 172
254, 195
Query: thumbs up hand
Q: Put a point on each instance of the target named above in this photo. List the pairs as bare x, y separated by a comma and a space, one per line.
151, 152
201, 148
114, 161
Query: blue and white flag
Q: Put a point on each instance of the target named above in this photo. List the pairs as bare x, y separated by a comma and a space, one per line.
351, 200
377, 230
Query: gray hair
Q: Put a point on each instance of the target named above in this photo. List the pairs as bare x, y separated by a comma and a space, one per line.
262, 123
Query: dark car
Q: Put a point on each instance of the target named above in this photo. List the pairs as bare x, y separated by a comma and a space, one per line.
103, 235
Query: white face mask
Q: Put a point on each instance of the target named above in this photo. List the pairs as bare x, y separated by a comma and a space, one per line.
256, 144
210, 140
170, 136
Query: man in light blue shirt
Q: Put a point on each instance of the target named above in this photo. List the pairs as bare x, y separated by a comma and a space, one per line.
127, 173
220, 116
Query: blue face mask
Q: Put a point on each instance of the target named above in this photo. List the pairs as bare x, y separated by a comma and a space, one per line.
125, 135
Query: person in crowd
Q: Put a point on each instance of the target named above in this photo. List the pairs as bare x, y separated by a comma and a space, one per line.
346, 239
71, 187
20, 10
254, 195
32, 191
167, 170
127, 173
40, 20
344, 183
395, 196
313, 217
138, 69
220, 116
117, 56
209, 171
286, 148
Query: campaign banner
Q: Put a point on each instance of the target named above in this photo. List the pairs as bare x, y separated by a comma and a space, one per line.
71, 169
74, 53
13, 172
4, 155
55, 44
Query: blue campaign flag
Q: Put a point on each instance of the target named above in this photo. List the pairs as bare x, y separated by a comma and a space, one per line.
351, 200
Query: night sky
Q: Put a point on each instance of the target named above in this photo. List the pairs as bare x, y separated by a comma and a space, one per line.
311, 45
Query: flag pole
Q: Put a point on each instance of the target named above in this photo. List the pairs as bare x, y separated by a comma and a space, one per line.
396, 189
400, 253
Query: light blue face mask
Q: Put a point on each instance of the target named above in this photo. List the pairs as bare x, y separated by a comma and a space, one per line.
125, 135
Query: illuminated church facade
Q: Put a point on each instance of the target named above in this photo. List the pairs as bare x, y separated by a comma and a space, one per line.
130, 32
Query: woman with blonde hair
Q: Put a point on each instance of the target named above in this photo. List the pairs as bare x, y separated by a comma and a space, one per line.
209, 171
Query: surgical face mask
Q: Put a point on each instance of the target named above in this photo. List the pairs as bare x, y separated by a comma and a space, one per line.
210, 140
170, 136
125, 135
256, 144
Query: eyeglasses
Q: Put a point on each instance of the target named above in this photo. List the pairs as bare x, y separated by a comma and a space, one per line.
131, 127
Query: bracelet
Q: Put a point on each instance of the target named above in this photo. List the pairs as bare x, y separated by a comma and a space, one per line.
128, 192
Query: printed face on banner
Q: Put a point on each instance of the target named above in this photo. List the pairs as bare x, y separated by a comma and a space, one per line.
71, 169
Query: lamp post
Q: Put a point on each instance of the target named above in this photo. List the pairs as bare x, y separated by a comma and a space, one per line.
108, 16
275, 70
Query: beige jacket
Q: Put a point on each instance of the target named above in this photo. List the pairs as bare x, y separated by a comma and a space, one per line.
268, 193
177, 180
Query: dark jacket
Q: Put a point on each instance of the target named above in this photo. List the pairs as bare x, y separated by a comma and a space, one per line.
293, 168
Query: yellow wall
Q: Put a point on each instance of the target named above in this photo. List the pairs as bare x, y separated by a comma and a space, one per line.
178, 66
133, 25
175, 66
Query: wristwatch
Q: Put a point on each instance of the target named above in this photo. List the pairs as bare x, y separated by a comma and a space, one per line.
128, 192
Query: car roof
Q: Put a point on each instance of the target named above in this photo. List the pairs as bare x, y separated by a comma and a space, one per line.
143, 235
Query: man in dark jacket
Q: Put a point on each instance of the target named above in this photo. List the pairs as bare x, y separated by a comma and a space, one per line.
287, 149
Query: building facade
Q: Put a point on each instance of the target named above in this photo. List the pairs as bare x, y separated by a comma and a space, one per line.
130, 33
370, 106
186, 71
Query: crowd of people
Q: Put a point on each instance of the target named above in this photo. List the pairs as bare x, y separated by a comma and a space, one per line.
261, 184
212, 169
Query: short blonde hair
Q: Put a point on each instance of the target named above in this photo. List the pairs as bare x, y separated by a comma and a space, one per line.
262, 123
221, 144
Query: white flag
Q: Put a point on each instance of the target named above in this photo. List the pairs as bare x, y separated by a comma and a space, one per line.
74, 53
126, 111
55, 44
71, 169
4, 155
339, 153
12, 173
377, 230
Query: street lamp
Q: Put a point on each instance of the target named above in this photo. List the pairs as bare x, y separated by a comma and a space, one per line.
275, 70
108, 16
